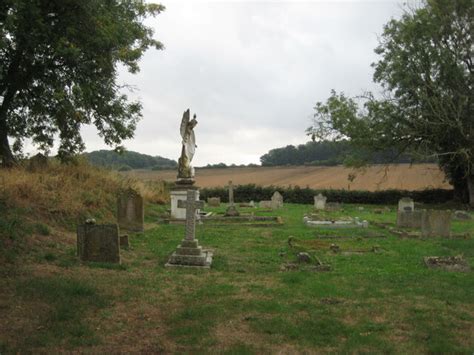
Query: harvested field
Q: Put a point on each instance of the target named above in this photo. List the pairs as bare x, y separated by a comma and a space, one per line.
377, 177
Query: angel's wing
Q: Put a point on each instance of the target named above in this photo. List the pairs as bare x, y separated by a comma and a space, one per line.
184, 124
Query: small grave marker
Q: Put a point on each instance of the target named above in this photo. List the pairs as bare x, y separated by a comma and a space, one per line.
277, 200
320, 202
98, 243
130, 211
436, 223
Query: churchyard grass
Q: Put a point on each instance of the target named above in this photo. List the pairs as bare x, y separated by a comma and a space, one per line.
384, 301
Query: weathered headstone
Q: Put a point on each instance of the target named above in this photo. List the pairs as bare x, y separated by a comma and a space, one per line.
130, 211
333, 206
436, 223
409, 219
277, 200
37, 162
265, 204
320, 202
124, 241
231, 210
406, 204
189, 253
98, 243
462, 215
214, 201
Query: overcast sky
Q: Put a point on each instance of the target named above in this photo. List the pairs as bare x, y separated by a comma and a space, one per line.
251, 71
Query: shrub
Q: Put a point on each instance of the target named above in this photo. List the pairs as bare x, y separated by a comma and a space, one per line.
305, 195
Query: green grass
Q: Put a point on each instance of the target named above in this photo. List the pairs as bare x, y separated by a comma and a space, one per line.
386, 302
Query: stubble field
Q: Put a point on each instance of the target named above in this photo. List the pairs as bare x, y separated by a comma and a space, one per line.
377, 177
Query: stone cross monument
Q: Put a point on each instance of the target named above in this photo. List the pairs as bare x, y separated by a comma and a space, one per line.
191, 206
189, 253
231, 210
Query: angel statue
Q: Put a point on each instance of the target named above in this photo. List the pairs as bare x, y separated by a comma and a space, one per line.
185, 170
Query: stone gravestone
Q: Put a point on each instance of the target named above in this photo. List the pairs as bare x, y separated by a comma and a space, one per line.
265, 204
436, 223
277, 200
231, 210
320, 202
409, 219
214, 201
98, 242
189, 253
406, 204
130, 211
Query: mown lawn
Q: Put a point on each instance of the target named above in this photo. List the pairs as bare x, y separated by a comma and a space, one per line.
384, 301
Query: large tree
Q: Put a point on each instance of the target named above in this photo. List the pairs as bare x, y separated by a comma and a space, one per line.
426, 105
58, 70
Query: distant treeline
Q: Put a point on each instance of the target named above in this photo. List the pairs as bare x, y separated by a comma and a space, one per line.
223, 165
328, 153
129, 160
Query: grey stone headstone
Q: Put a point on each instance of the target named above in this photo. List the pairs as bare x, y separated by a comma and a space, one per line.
265, 204
98, 243
320, 202
130, 211
277, 200
409, 219
406, 204
214, 201
436, 223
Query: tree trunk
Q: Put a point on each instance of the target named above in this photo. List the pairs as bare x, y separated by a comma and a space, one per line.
470, 185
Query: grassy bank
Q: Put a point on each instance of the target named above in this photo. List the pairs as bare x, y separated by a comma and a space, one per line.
384, 301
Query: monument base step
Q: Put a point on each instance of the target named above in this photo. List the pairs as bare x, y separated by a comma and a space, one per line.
202, 261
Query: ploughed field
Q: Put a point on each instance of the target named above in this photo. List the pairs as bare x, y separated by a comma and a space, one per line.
374, 295
377, 177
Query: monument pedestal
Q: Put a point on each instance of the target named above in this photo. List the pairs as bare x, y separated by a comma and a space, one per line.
190, 254
179, 194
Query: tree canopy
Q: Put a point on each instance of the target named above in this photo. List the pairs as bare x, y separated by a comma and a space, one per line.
426, 106
330, 153
58, 70
133, 160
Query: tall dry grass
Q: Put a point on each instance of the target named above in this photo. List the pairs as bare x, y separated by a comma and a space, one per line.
68, 194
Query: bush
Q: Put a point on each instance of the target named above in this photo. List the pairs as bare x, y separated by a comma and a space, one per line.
243, 193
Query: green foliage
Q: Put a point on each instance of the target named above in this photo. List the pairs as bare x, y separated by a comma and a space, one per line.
426, 73
330, 153
58, 69
127, 160
251, 192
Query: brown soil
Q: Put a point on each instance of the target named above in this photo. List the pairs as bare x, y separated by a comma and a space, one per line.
377, 177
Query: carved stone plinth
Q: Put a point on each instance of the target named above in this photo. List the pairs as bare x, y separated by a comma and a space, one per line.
190, 254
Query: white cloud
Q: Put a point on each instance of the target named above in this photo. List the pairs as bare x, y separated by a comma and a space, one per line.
251, 71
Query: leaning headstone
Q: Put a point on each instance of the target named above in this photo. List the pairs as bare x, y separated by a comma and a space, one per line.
436, 223
189, 253
130, 211
98, 243
214, 201
320, 202
406, 204
277, 200
409, 219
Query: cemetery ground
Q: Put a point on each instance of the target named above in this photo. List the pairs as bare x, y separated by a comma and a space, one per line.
377, 296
